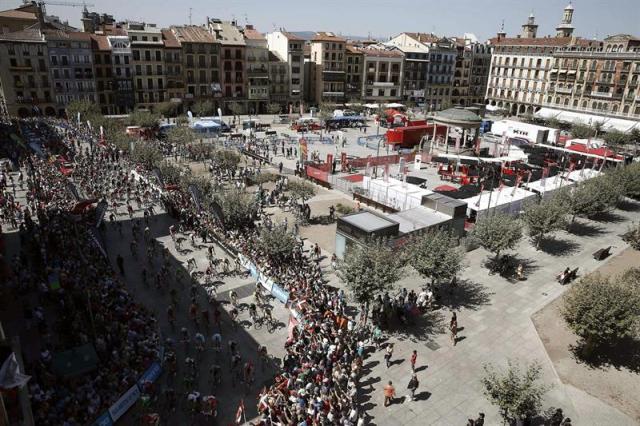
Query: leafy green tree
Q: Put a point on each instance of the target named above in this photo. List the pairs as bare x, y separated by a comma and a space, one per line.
553, 123
143, 119
603, 310
616, 139
167, 109
581, 131
634, 138
517, 394
597, 127
202, 183
592, 197
277, 243
86, 109
369, 270
180, 136
182, 120
202, 108
543, 218
265, 177
274, 108
171, 174
147, 153
301, 190
630, 176
238, 207
498, 232
632, 236
226, 160
436, 255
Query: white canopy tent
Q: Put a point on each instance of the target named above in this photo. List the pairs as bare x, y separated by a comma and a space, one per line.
620, 124
546, 113
546, 187
581, 175
394, 105
508, 200
394, 193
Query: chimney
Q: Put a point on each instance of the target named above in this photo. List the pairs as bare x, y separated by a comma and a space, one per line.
40, 14
249, 26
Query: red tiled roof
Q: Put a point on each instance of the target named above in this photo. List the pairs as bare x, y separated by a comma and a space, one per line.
18, 14
424, 37
291, 36
66, 35
543, 41
350, 48
28, 34
170, 40
253, 34
100, 42
324, 36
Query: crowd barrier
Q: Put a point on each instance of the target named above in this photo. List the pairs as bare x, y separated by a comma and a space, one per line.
265, 281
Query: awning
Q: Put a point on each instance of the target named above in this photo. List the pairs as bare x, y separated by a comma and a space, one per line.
546, 113
394, 105
619, 124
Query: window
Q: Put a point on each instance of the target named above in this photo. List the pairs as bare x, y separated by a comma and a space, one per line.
147, 55
158, 55
136, 55
54, 60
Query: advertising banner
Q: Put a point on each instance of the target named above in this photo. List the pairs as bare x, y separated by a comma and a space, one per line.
125, 402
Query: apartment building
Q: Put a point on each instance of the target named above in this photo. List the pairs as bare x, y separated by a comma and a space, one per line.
200, 64
354, 72
233, 62
113, 73
598, 81
383, 73
328, 55
429, 69
279, 81
173, 69
290, 47
71, 66
147, 51
258, 68
473, 61
25, 87
521, 68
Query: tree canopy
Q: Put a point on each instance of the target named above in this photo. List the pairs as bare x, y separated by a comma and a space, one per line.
498, 232
202, 108
582, 131
544, 217
436, 255
370, 270
167, 109
143, 118
86, 109
180, 136
301, 190
238, 207
603, 310
147, 154
274, 108
277, 243
517, 394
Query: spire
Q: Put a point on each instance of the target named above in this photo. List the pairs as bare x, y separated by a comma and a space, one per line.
530, 29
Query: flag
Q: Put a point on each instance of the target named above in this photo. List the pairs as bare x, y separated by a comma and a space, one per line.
515, 187
10, 374
240, 413
480, 195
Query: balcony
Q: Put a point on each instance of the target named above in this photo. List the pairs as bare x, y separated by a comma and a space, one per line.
258, 73
565, 90
382, 84
21, 68
332, 94
602, 94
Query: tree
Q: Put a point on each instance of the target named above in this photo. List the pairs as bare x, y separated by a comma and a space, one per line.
597, 127
167, 109
553, 123
182, 120
369, 270
265, 177
85, 108
543, 218
274, 108
202, 108
498, 232
143, 118
277, 243
517, 394
436, 255
602, 311
301, 190
592, 197
581, 131
226, 160
238, 207
236, 109
171, 174
616, 139
632, 236
147, 153
630, 176
202, 183
634, 137
325, 113
180, 136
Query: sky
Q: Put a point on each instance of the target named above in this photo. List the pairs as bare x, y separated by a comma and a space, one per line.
380, 18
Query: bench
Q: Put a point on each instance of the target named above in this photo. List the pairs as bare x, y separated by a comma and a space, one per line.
602, 253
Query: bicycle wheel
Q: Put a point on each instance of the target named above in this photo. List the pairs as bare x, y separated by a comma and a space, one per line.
257, 324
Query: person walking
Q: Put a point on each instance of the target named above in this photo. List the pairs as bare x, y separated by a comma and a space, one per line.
412, 386
388, 353
453, 328
414, 358
120, 262
389, 393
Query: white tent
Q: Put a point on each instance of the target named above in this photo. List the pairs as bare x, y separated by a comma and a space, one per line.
546, 113
546, 187
508, 200
394, 193
394, 105
371, 106
619, 124
581, 175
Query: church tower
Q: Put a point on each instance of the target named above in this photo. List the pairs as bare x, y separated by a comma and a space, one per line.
565, 29
530, 29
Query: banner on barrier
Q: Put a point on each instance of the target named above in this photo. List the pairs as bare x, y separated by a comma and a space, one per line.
103, 420
125, 402
151, 375
279, 293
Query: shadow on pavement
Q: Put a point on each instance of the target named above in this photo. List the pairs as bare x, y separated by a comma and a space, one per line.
624, 355
559, 247
584, 229
466, 294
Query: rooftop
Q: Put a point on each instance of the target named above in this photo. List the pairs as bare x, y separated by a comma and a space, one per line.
542, 41
328, 36
251, 33
169, 39
291, 36
368, 221
191, 34
100, 42
457, 116
418, 218
66, 35
18, 14
31, 34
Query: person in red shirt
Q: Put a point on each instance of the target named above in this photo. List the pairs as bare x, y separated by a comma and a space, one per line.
414, 357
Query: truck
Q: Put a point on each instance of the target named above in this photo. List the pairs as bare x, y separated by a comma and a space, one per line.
410, 136
530, 132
